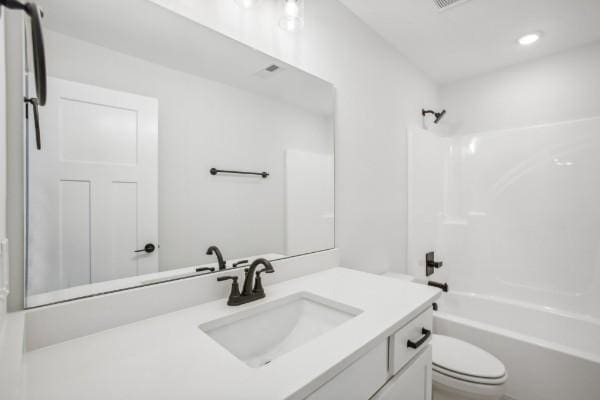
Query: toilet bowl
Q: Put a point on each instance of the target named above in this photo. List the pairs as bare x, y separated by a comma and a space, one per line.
462, 371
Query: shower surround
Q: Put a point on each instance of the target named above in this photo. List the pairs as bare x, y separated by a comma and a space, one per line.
505, 190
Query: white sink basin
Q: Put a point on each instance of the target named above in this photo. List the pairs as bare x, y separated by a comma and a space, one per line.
260, 335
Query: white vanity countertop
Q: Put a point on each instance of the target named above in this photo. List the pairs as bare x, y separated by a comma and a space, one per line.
169, 357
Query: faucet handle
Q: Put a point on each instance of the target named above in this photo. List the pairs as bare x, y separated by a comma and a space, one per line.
235, 288
235, 265
227, 278
258, 287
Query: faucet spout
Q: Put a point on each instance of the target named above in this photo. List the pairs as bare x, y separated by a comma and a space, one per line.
443, 286
249, 281
249, 293
215, 250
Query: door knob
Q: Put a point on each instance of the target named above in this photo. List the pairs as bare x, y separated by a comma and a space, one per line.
149, 248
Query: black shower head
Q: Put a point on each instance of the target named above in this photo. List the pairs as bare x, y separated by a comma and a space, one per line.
438, 115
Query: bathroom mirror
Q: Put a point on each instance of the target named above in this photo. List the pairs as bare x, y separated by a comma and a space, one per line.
131, 186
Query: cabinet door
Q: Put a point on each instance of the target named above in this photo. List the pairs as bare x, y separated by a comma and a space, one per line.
360, 380
412, 383
400, 352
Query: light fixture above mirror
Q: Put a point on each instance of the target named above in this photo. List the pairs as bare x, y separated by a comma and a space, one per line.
246, 4
293, 15
292, 19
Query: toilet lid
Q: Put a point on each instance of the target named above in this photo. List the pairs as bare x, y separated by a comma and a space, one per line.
463, 358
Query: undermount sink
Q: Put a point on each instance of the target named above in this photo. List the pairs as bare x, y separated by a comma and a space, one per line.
260, 335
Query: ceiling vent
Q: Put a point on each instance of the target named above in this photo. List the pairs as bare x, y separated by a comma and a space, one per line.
445, 4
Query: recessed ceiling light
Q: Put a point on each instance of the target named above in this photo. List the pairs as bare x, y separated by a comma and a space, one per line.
529, 39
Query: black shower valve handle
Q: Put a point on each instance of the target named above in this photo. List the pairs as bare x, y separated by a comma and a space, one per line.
431, 264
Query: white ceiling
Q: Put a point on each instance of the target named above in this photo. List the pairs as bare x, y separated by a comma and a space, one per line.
477, 36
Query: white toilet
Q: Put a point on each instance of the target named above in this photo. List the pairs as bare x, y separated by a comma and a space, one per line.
462, 371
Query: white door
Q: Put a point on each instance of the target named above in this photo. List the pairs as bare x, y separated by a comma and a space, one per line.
309, 202
93, 187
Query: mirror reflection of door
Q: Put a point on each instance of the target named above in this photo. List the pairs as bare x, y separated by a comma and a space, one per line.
93, 187
310, 222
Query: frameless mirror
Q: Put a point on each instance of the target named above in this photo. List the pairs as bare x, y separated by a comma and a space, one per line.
161, 138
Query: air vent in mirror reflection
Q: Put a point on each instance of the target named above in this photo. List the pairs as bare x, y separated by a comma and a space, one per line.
269, 72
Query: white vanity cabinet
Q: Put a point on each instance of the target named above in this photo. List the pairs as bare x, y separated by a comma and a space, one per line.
411, 383
391, 371
360, 380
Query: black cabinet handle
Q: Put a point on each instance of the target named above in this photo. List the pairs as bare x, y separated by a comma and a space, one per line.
149, 248
415, 345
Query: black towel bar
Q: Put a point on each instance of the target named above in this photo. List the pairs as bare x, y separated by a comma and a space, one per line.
214, 171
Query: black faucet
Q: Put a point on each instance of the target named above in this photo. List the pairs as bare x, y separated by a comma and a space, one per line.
248, 281
249, 293
215, 250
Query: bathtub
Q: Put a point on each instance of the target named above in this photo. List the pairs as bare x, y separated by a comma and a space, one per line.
549, 355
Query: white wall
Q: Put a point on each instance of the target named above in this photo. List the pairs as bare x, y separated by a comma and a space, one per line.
380, 94
518, 211
552, 89
204, 124
2, 163
14, 154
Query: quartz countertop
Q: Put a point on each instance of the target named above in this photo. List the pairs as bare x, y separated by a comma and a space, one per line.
169, 357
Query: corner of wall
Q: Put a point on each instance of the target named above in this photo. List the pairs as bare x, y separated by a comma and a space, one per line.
11, 185
3, 260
